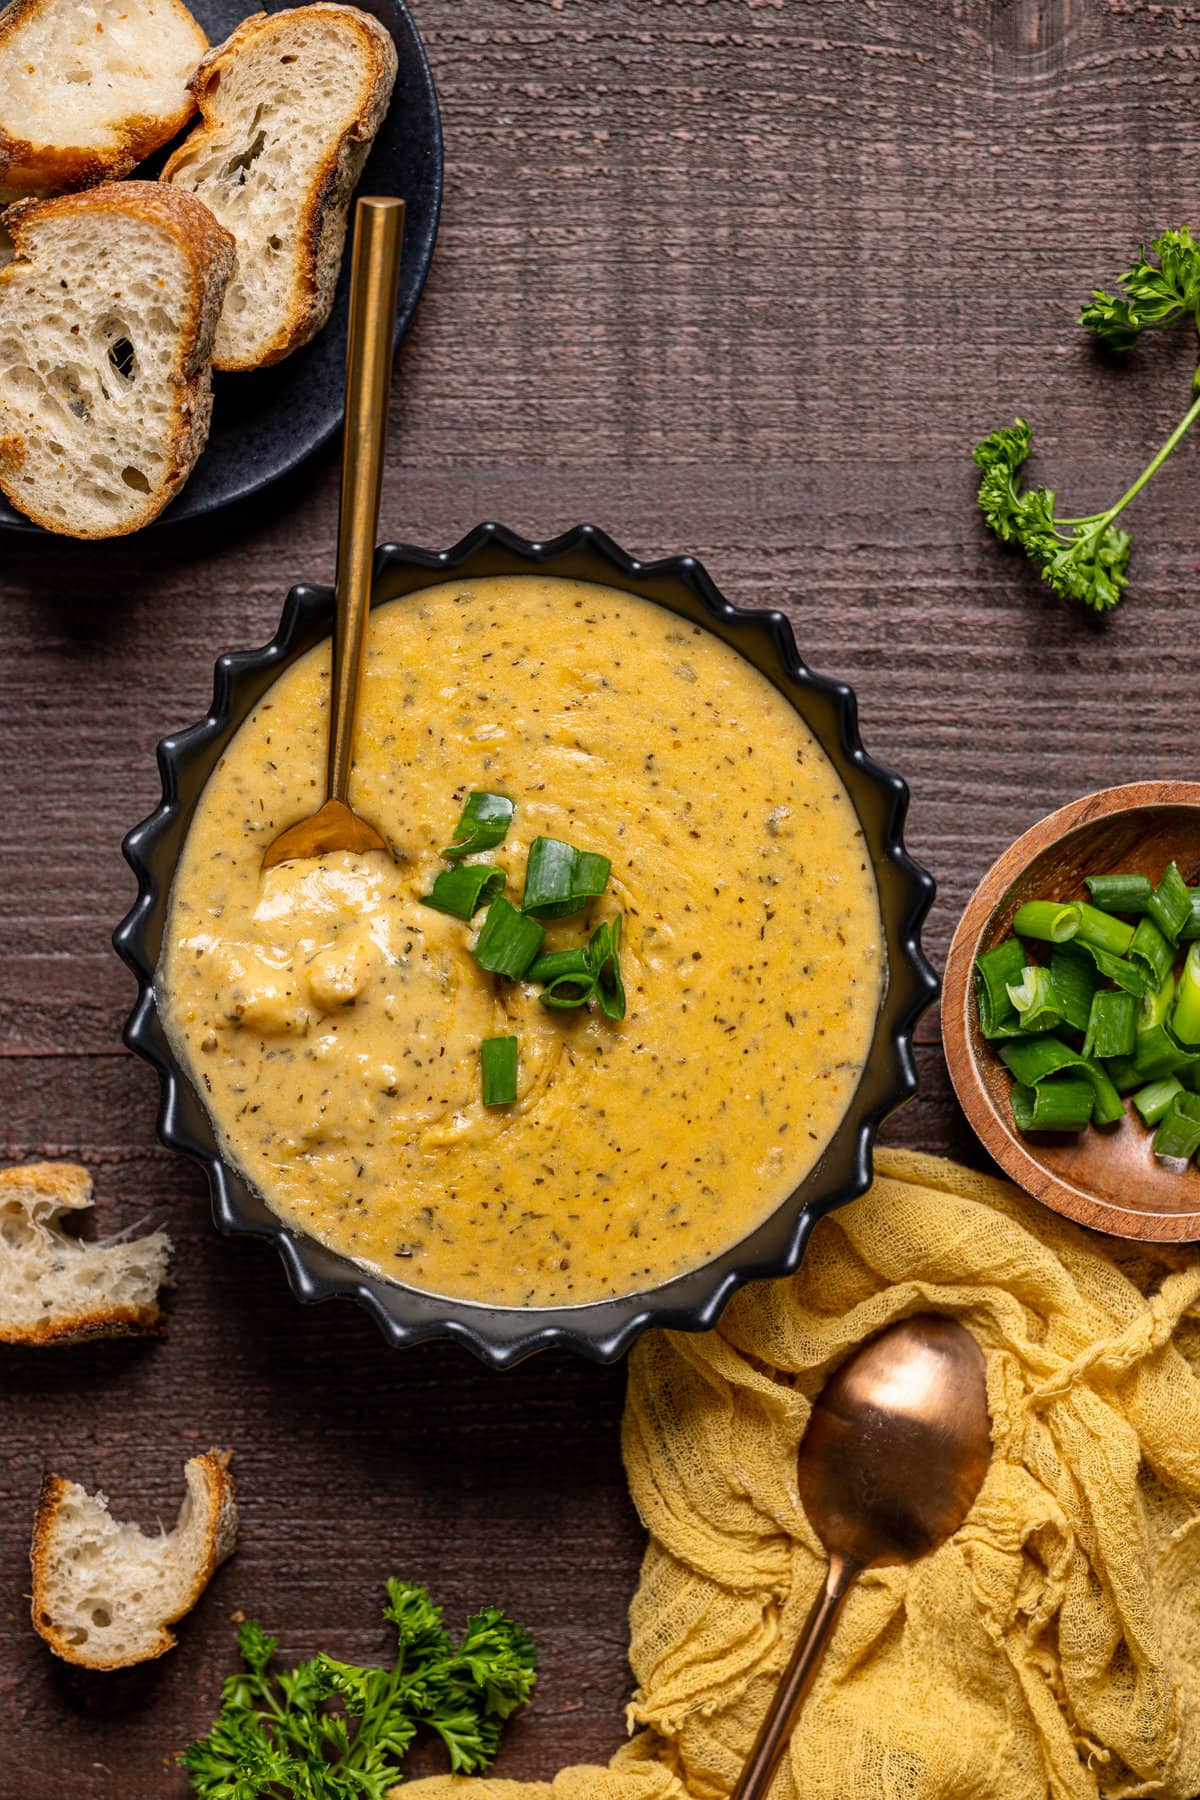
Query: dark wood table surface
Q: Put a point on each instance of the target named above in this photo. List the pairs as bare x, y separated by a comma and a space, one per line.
745, 278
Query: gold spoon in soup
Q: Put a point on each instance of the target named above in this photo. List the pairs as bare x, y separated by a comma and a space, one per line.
895, 1452
375, 272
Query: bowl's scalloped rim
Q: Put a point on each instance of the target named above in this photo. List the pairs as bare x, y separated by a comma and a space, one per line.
601, 1330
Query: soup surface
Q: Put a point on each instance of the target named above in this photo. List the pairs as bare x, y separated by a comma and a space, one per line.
332, 1022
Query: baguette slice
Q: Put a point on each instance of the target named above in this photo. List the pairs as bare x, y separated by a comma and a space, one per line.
107, 317
56, 1289
105, 1595
90, 87
290, 106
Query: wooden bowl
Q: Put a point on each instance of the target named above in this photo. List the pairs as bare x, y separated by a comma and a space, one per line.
1109, 1179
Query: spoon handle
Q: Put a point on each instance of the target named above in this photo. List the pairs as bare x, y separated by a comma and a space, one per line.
801, 1672
375, 274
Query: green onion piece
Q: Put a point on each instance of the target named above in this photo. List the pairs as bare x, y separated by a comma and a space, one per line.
1033, 1059
1154, 1100
1170, 905
508, 942
1185, 1020
498, 1065
567, 975
1192, 928
1156, 1004
1102, 931
1190, 1076
1112, 1026
1127, 975
1122, 1072
560, 879
484, 824
1156, 1053
1179, 1132
1075, 981
462, 890
1035, 999
1048, 920
1119, 893
993, 972
604, 957
1151, 952
1052, 1106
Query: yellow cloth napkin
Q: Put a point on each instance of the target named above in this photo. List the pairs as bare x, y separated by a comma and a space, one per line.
1051, 1648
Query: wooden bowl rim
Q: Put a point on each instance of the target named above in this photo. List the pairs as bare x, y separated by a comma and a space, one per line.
993, 1131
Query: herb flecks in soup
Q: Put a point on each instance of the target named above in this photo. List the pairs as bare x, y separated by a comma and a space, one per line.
333, 1021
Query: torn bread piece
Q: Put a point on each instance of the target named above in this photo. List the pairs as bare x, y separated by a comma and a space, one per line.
107, 316
290, 105
88, 88
104, 1594
57, 1289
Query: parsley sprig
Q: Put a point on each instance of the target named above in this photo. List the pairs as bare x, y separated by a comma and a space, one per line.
1087, 558
329, 1730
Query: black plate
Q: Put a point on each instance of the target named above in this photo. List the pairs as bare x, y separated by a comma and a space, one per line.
604, 1329
264, 425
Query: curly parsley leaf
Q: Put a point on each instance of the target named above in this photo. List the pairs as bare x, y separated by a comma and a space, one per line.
1155, 293
329, 1730
1086, 559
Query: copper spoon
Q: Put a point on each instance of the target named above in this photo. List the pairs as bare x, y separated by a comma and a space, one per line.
895, 1452
378, 232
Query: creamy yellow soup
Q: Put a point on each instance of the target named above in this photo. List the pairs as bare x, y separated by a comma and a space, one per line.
333, 1023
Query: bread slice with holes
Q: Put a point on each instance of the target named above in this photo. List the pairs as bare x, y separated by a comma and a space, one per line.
108, 312
88, 88
104, 1594
56, 1289
290, 106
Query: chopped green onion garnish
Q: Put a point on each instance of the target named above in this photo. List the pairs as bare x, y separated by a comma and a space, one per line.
1035, 999
1156, 1053
559, 879
1126, 974
567, 975
484, 824
1102, 931
1033, 1060
1185, 1020
1112, 1025
498, 1065
1075, 981
1154, 1101
1156, 1004
1170, 905
1192, 928
1053, 1106
1122, 1072
993, 972
1179, 1132
604, 957
1048, 920
508, 941
1119, 893
462, 890
1151, 951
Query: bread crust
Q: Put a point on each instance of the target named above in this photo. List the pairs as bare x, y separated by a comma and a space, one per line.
220, 1536
322, 234
211, 252
62, 168
71, 1186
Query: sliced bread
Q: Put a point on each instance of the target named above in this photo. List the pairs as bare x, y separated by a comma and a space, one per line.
290, 106
104, 1594
90, 87
56, 1289
107, 316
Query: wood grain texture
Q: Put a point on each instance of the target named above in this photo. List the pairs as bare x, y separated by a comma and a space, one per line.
740, 277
